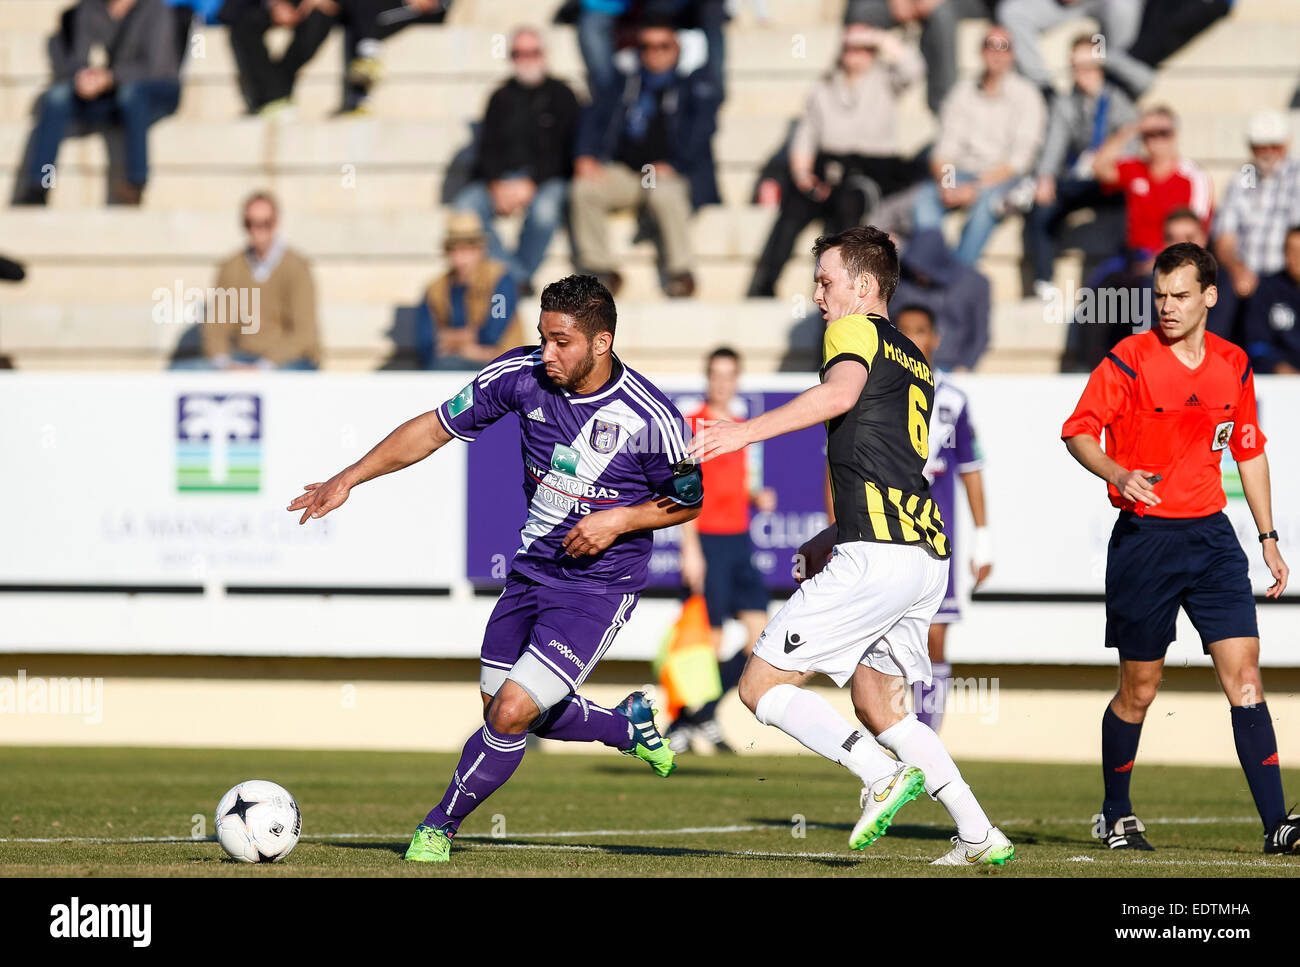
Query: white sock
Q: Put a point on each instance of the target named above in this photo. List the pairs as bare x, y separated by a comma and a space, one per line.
810, 720
914, 742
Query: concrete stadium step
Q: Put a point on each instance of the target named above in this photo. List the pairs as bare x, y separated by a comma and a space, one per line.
351, 334
257, 146
124, 237
492, 14
477, 53
434, 98
385, 282
793, 13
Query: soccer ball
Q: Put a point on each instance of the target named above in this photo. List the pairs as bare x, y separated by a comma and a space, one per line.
258, 822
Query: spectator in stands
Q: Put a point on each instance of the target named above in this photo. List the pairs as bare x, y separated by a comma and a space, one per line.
468, 317
1272, 339
646, 143
1184, 225
1077, 126
709, 17
1027, 20
938, 20
1156, 184
845, 153
1167, 25
604, 27
10, 271
121, 65
267, 83
597, 26
1116, 301
525, 157
956, 295
278, 281
366, 23
1260, 205
989, 133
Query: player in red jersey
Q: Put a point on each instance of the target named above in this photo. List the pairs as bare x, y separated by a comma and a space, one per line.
1170, 401
717, 551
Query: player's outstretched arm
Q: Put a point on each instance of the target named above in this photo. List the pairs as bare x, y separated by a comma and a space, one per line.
1258, 488
981, 561
409, 443
597, 531
1133, 485
833, 397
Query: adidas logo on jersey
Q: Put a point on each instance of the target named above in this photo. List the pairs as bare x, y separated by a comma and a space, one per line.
1192, 401
537, 415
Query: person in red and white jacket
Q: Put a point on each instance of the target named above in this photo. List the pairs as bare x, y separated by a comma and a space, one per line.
1155, 183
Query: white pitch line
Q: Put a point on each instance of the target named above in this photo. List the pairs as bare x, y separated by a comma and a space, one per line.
578, 833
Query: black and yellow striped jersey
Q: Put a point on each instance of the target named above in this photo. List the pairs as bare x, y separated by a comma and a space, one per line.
877, 450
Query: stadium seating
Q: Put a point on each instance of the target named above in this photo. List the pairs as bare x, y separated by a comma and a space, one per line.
361, 195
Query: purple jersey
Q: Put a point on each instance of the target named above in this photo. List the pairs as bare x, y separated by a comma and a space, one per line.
615, 447
953, 447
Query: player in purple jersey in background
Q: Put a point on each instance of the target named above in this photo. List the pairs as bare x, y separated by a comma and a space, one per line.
953, 451
604, 464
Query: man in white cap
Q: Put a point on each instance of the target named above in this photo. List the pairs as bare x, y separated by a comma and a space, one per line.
1261, 204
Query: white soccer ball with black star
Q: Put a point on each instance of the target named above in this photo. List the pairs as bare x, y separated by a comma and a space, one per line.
258, 822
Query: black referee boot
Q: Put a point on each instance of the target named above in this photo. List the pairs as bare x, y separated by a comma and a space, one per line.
1284, 837
1127, 834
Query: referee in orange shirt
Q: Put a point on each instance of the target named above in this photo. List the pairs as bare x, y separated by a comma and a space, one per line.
1170, 401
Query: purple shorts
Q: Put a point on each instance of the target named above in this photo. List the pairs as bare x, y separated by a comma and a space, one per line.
950, 610
548, 640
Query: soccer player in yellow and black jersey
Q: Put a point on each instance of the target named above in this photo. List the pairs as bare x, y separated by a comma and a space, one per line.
870, 583
878, 448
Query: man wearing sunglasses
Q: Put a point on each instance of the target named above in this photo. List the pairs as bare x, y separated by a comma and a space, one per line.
646, 143
1155, 183
989, 132
263, 312
1028, 20
525, 158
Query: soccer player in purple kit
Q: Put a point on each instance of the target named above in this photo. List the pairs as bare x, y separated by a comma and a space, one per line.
954, 451
604, 464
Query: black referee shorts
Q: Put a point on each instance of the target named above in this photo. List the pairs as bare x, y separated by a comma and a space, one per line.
731, 582
1156, 564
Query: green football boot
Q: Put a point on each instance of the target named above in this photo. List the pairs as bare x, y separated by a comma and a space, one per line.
429, 845
649, 745
881, 800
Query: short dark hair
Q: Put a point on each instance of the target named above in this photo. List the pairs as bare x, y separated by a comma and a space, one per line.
1178, 214
1188, 253
722, 352
916, 307
585, 300
865, 249
1292, 230
657, 20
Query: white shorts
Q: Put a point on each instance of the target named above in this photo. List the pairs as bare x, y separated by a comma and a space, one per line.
871, 605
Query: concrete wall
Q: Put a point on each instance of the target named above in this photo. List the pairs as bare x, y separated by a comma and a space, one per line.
1015, 713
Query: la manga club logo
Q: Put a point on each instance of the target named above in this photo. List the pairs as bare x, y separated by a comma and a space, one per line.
219, 443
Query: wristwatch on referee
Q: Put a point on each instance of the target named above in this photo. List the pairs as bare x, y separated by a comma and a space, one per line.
1270, 536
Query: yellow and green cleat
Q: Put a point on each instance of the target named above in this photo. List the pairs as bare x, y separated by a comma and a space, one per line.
429, 845
648, 745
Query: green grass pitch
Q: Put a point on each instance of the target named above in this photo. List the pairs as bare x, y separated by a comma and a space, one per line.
129, 812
